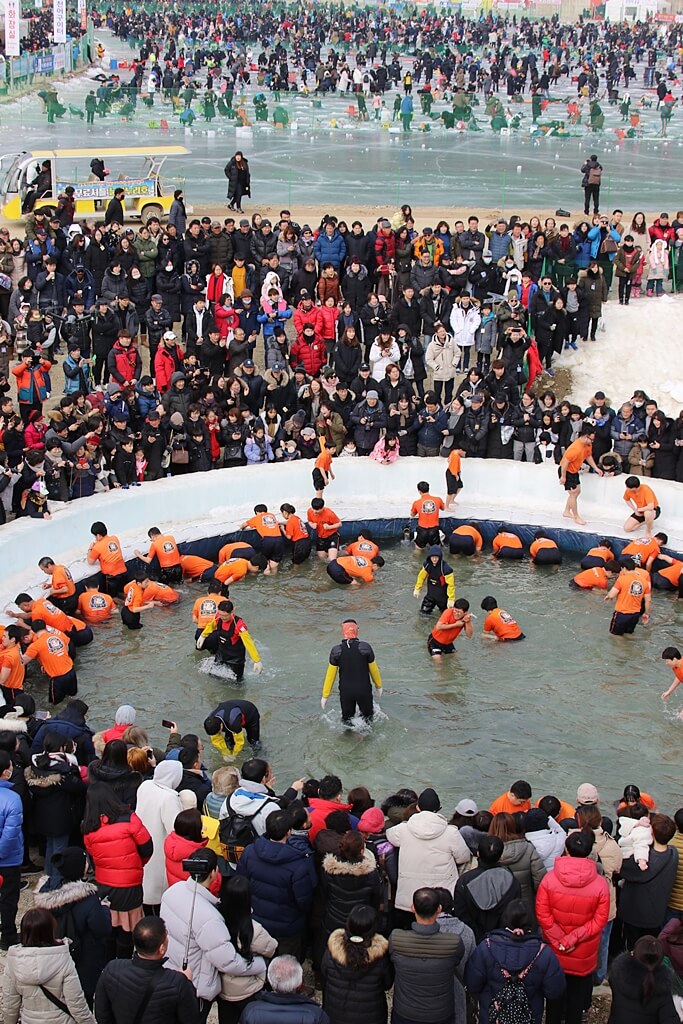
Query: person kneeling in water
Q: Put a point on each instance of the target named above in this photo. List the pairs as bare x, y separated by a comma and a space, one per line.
499, 622
544, 550
353, 568
229, 639
135, 602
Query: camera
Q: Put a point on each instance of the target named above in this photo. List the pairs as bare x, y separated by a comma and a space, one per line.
197, 867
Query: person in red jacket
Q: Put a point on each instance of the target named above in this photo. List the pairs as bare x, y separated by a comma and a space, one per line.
124, 362
119, 846
329, 799
308, 350
572, 907
167, 361
305, 312
662, 228
34, 435
185, 838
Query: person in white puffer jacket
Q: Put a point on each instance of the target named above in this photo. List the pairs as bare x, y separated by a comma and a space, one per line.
545, 835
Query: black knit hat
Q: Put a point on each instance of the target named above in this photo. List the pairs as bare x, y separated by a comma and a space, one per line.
70, 862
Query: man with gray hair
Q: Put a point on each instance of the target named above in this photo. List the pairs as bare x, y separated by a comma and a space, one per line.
286, 1002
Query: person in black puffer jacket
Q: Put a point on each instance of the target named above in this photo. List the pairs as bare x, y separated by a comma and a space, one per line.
80, 915
348, 878
58, 792
113, 768
642, 986
357, 971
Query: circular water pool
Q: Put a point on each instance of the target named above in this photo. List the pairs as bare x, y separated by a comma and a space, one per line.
569, 704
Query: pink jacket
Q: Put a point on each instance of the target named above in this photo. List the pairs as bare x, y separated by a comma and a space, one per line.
572, 907
380, 453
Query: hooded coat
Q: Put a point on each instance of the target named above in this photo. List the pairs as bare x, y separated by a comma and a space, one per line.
484, 977
29, 967
626, 978
481, 895
572, 906
158, 805
431, 851
527, 867
282, 881
360, 994
81, 918
346, 884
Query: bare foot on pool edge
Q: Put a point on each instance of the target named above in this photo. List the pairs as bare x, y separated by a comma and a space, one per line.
567, 515
579, 520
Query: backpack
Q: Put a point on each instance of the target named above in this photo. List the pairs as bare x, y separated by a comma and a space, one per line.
511, 1004
594, 175
236, 832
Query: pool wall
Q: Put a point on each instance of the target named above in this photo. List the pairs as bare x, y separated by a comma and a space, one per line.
211, 506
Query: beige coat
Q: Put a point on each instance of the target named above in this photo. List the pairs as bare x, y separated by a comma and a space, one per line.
29, 967
235, 987
431, 853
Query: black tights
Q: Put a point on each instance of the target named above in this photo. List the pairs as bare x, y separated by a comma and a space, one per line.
624, 289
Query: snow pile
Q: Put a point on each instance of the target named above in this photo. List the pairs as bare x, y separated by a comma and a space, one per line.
639, 348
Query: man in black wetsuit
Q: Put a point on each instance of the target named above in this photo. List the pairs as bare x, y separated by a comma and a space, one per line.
354, 659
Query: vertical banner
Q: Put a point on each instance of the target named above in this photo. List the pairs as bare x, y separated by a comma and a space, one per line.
59, 22
83, 15
12, 28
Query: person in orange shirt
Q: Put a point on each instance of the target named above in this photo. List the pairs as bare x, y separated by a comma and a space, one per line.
453, 478
596, 578
643, 550
327, 525
194, 567
238, 549
78, 633
544, 550
642, 501
499, 622
598, 556
51, 648
351, 569
633, 595
164, 548
575, 455
205, 608
452, 622
136, 601
517, 798
232, 571
271, 543
557, 809
465, 540
507, 544
60, 586
322, 471
161, 593
106, 550
671, 655
365, 547
668, 575
95, 606
427, 509
12, 669
296, 532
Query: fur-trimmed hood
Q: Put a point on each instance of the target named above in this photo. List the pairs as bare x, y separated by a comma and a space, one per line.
18, 725
335, 944
69, 892
334, 866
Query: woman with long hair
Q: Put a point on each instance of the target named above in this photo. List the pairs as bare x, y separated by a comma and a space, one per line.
356, 970
119, 846
250, 939
41, 984
642, 986
113, 769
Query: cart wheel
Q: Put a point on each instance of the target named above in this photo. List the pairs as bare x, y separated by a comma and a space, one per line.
151, 210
